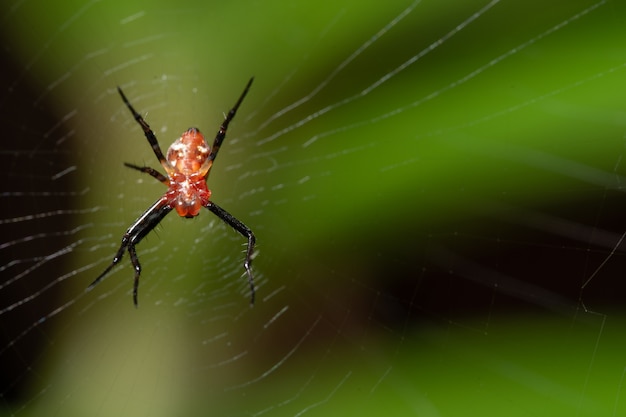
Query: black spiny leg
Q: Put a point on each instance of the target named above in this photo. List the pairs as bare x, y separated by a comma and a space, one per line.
137, 231
221, 134
150, 171
246, 232
146, 129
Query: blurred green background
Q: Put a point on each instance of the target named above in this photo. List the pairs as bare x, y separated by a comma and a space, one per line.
431, 185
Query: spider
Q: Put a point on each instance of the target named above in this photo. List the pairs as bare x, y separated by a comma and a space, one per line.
188, 163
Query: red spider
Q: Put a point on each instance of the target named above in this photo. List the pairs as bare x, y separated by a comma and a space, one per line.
188, 163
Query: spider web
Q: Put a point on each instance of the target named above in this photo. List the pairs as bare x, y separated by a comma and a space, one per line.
433, 187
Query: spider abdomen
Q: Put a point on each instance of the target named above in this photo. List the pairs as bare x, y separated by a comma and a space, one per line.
189, 154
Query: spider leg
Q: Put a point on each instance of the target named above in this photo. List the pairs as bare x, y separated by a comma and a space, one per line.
246, 232
137, 231
135, 261
221, 134
146, 129
150, 171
